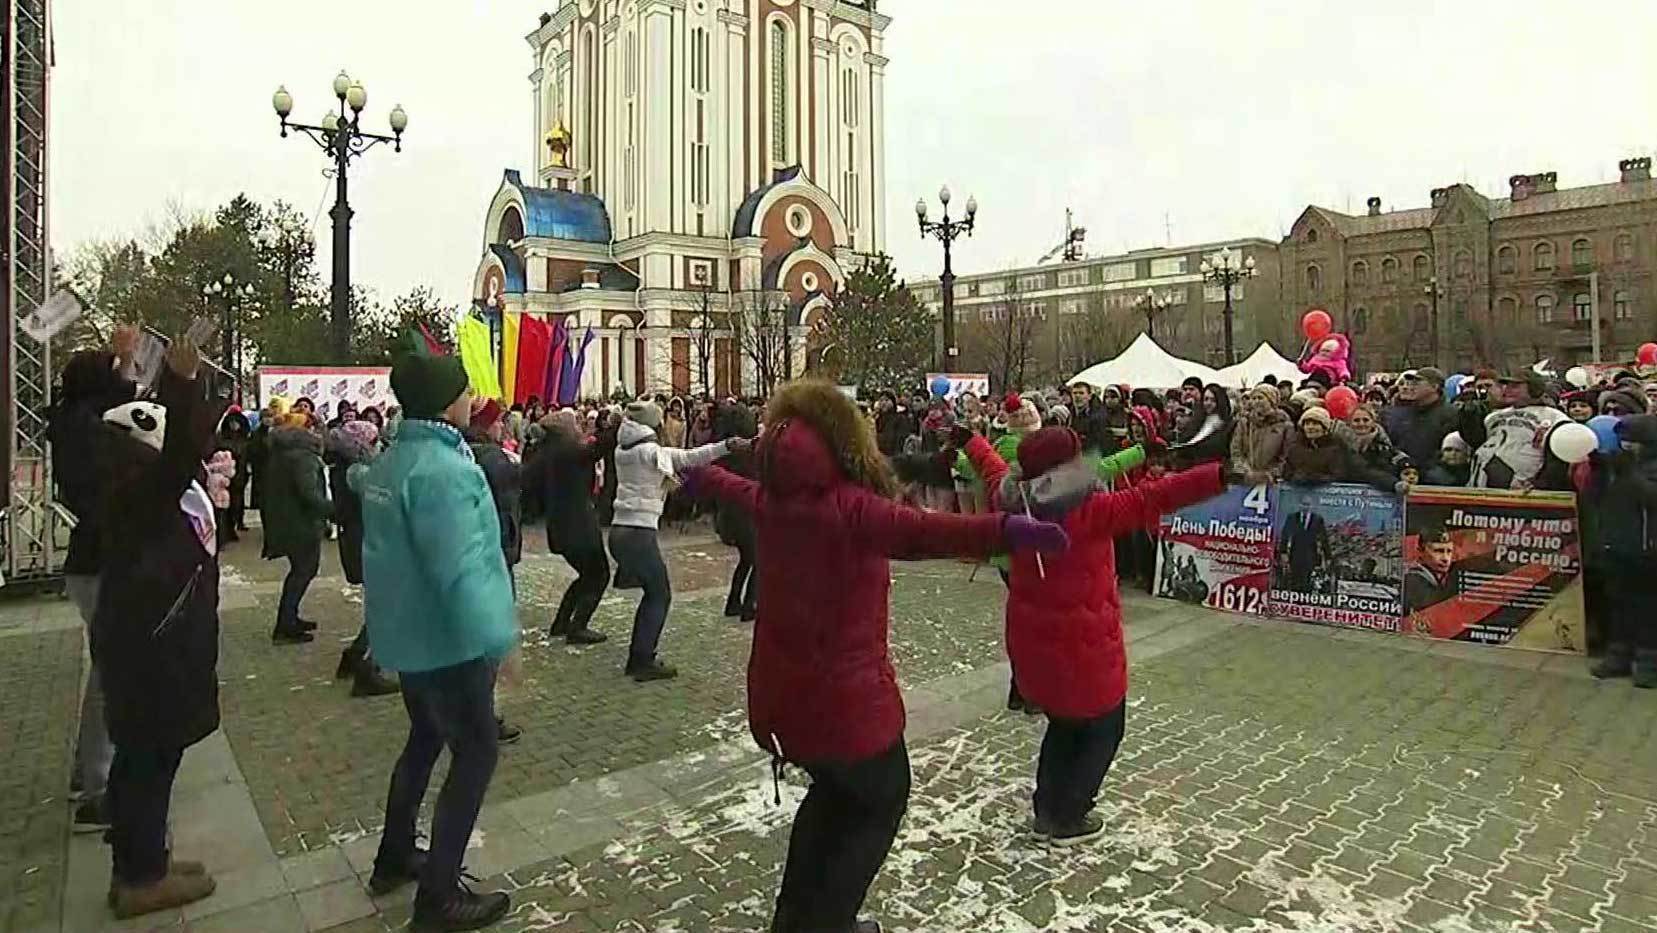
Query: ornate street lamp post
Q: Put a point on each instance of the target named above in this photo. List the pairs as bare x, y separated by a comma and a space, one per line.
229, 318
1228, 269
1149, 306
341, 136
946, 231
1431, 288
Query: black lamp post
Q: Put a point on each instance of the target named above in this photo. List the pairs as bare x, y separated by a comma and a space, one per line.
229, 318
1149, 306
1227, 269
1432, 289
342, 137
946, 231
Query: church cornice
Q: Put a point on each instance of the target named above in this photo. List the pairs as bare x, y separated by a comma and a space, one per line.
876, 61
536, 75
611, 26
849, 13
734, 20
651, 6
824, 46
559, 22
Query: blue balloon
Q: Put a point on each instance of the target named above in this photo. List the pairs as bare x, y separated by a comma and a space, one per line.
1453, 384
940, 387
1605, 428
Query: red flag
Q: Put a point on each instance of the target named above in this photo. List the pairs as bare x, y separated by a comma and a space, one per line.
433, 345
533, 337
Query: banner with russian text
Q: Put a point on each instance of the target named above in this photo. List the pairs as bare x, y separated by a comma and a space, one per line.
1218, 553
1495, 567
1338, 557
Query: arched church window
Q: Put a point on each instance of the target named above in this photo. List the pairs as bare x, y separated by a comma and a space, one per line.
780, 89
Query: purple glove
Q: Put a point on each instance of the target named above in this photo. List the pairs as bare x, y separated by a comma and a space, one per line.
693, 482
1023, 533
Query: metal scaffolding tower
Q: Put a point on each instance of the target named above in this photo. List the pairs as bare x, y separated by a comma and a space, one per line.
29, 524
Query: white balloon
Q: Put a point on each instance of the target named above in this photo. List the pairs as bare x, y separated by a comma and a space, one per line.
1577, 376
1572, 442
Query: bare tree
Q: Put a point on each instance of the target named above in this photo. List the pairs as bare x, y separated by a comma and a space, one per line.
704, 336
1002, 340
759, 321
1094, 335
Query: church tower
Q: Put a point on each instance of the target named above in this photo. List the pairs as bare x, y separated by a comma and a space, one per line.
691, 161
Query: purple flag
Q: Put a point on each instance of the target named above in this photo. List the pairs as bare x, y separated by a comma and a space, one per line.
560, 343
574, 364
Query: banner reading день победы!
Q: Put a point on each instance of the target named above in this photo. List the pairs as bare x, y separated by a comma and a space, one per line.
1339, 557
1495, 567
1218, 553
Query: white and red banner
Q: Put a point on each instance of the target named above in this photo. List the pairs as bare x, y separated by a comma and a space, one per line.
328, 386
1218, 553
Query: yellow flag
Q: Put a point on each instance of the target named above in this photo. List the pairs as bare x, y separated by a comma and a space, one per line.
509, 356
473, 338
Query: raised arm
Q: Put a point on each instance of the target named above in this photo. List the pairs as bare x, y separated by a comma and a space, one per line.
988, 464
1120, 463
682, 460
1113, 513
910, 534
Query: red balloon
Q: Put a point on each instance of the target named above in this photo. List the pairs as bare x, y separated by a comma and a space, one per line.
1647, 355
1316, 324
1341, 402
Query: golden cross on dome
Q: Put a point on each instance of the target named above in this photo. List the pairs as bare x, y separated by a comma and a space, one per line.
558, 146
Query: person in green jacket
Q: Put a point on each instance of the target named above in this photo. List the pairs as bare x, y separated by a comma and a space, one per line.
296, 516
1108, 469
437, 599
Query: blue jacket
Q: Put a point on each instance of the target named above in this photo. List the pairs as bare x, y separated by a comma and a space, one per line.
435, 587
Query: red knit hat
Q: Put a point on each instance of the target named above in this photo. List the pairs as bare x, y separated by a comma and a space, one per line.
485, 417
1047, 448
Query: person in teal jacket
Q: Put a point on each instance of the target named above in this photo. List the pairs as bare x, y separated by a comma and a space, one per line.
438, 603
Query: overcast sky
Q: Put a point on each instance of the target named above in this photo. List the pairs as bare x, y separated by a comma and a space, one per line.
1199, 120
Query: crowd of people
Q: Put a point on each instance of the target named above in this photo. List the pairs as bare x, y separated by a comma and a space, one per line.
816, 492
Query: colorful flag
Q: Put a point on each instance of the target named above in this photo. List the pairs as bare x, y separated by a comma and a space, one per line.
555, 358
532, 359
510, 327
434, 346
473, 338
571, 386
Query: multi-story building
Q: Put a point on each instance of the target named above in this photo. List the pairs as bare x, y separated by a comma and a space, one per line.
689, 157
1475, 280
1053, 320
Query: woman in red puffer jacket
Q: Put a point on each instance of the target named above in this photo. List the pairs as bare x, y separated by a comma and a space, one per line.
821, 690
1064, 613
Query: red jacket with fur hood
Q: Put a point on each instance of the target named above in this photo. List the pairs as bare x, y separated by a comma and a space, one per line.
1064, 632
820, 681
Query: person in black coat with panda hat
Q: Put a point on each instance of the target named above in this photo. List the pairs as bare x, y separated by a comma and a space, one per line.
155, 635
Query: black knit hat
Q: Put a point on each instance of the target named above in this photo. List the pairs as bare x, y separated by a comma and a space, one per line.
425, 385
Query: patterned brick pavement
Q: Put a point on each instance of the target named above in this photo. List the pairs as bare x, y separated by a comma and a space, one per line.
1273, 779
39, 674
317, 762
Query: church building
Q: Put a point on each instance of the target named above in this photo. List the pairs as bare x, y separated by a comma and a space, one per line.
702, 175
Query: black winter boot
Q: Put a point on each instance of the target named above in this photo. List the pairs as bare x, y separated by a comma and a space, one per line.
1618, 662
644, 670
462, 910
370, 681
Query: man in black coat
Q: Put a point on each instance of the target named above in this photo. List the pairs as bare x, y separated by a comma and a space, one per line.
561, 475
155, 635
484, 436
93, 383
1421, 418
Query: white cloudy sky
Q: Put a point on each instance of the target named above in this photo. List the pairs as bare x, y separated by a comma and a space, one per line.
1205, 119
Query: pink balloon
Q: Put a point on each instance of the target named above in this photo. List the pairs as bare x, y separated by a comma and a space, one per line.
1341, 402
1647, 355
1316, 325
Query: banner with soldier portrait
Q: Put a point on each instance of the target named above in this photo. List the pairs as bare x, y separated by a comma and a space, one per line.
1494, 567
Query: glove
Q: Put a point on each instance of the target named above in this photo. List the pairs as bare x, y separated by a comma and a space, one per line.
1023, 533
693, 482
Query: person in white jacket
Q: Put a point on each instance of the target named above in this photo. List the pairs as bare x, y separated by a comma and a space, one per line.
644, 466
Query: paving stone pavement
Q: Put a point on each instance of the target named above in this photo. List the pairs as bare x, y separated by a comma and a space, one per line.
39, 674
1275, 777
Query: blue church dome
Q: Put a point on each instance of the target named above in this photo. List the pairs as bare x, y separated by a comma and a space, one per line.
561, 215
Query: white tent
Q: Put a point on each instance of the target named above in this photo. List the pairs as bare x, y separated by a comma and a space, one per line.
1144, 364
1263, 362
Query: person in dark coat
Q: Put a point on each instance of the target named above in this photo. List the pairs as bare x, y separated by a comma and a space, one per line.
1208, 430
93, 382
258, 452
351, 443
560, 473
1418, 421
1316, 455
233, 437
821, 689
1628, 539
295, 517
484, 436
734, 525
893, 424
155, 634
608, 421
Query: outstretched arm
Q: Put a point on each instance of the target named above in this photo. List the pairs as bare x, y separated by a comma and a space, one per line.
682, 460
1120, 463
721, 485
910, 534
1114, 513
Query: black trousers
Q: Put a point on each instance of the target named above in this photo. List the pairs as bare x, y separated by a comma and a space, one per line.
1075, 756
236, 513
639, 556
745, 579
452, 707
1631, 590
842, 833
140, 794
581, 599
302, 569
